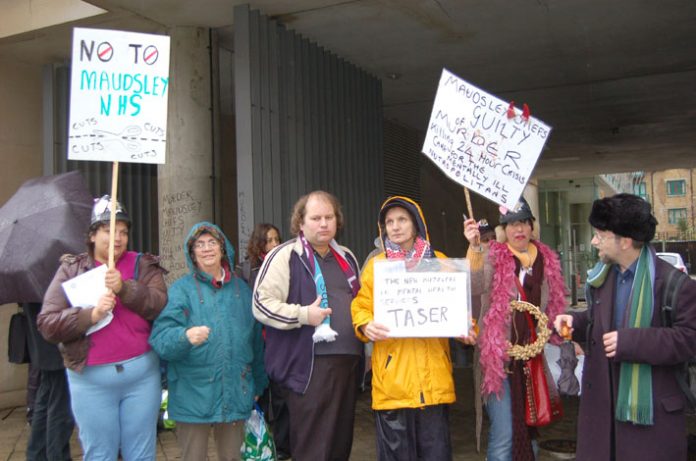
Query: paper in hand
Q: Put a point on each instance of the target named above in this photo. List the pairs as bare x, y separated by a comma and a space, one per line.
85, 291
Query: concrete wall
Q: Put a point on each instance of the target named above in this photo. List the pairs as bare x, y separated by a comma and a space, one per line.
20, 130
185, 181
20, 157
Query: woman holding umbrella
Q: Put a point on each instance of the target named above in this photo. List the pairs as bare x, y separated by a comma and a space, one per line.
113, 374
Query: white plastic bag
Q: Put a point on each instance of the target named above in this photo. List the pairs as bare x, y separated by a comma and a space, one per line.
258, 442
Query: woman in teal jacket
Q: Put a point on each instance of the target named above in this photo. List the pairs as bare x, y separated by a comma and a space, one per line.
213, 347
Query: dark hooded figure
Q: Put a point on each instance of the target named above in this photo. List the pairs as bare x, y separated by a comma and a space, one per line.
632, 406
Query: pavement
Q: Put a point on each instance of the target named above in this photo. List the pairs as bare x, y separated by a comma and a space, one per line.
14, 431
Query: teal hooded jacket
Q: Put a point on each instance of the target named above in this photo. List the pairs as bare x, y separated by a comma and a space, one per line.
217, 380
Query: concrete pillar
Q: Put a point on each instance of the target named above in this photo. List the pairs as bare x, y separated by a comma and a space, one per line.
20, 155
185, 181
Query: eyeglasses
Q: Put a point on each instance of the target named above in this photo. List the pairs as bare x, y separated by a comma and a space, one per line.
209, 244
601, 238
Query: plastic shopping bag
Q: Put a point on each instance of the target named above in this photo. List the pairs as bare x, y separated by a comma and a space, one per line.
258, 442
164, 423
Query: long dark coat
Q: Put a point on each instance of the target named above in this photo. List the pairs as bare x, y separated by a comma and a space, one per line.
663, 348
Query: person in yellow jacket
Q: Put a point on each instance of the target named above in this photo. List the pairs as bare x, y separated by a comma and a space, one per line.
412, 384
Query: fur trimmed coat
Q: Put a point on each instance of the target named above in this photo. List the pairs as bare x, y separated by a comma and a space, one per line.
496, 286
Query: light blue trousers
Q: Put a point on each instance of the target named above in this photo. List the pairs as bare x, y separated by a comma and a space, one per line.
500, 432
117, 406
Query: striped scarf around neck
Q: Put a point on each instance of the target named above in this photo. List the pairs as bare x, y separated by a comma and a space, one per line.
421, 249
634, 402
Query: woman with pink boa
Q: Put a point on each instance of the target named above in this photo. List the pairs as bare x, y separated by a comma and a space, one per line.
499, 380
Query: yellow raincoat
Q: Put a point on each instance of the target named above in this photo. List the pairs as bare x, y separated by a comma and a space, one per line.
406, 372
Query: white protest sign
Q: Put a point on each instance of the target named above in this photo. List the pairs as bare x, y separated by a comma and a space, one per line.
118, 96
472, 140
431, 300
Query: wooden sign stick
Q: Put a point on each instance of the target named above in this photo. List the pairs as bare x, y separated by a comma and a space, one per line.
470, 209
112, 220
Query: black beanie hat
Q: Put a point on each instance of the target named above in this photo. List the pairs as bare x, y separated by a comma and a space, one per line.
626, 215
522, 212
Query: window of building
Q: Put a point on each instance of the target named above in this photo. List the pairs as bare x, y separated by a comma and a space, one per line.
674, 215
641, 190
676, 187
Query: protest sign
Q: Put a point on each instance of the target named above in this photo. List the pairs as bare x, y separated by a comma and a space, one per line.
472, 140
431, 300
118, 96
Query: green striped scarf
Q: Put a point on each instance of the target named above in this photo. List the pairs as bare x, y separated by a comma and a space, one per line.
634, 402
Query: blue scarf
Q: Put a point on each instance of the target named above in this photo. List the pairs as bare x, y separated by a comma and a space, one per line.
324, 332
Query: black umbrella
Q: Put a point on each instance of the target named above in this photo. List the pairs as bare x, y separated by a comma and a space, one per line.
46, 218
568, 383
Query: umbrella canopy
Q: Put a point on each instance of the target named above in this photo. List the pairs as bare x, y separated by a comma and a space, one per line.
46, 218
568, 383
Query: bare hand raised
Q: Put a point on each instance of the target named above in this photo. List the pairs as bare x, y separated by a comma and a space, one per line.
471, 231
105, 305
375, 331
611, 341
470, 339
316, 314
563, 324
113, 280
197, 335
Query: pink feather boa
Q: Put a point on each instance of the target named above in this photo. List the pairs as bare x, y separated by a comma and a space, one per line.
496, 322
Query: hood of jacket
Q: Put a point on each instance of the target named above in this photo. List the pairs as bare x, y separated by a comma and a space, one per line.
413, 209
196, 231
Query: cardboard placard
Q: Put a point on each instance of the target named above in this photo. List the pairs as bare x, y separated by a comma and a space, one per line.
472, 140
432, 299
118, 96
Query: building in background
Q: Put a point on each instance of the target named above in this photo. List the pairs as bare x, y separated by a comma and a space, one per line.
564, 206
671, 193
267, 105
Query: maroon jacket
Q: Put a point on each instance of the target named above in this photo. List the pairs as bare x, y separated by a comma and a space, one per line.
664, 348
66, 326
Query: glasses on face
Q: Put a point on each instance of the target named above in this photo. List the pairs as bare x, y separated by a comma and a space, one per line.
202, 245
601, 238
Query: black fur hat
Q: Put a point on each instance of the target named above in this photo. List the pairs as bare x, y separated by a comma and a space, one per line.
626, 215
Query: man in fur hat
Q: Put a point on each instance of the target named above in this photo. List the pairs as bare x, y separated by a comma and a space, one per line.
632, 406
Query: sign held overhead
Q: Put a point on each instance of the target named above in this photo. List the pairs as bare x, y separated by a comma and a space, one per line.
118, 100
475, 142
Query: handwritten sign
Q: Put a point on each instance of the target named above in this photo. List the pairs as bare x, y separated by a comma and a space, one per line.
118, 96
472, 140
431, 300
